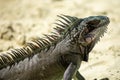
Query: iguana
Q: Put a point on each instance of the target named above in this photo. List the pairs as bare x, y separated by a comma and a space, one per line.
58, 55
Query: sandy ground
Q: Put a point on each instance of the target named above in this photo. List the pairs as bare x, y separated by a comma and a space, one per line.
23, 20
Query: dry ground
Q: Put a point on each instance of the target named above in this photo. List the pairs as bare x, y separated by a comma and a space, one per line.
22, 20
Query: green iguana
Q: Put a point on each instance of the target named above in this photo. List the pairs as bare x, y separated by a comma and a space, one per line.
58, 55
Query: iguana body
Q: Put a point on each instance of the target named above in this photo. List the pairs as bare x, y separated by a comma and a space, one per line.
58, 55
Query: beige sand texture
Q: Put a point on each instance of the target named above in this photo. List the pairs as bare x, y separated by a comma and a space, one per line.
23, 20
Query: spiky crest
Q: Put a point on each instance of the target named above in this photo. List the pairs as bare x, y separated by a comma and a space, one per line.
64, 26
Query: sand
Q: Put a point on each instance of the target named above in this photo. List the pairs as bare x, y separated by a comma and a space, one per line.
23, 20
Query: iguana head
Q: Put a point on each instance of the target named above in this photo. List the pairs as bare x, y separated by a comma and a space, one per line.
83, 30
90, 29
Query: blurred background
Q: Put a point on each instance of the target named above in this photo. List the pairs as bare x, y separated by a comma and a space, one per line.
23, 20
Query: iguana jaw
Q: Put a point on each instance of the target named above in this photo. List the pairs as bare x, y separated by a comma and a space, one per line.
95, 28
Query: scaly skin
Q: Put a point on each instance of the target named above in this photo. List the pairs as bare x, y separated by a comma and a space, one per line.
61, 60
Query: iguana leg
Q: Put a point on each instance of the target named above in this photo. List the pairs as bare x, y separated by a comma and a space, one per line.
79, 76
71, 69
